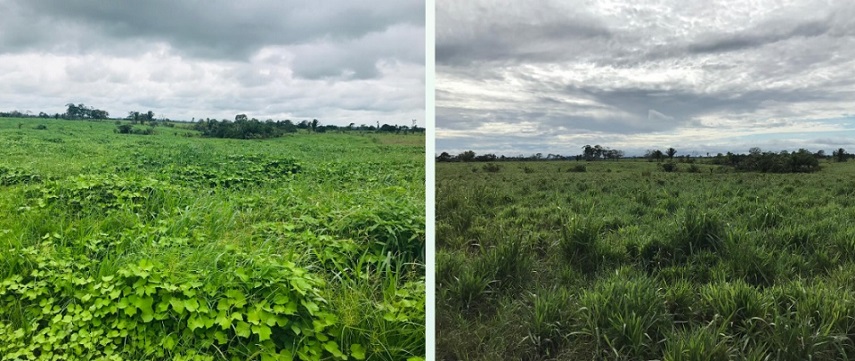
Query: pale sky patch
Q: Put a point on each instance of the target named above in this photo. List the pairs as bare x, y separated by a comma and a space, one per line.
701, 77
340, 62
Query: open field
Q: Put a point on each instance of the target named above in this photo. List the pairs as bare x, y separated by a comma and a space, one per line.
623, 261
167, 247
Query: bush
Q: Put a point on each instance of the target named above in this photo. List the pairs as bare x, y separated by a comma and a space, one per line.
490, 167
669, 167
579, 168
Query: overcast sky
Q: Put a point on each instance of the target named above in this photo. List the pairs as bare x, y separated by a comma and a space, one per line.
339, 61
520, 77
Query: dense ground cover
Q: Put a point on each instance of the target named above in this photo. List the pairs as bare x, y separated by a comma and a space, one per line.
624, 261
167, 247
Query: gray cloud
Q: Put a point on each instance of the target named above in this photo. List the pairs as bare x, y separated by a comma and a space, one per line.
183, 59
642, 74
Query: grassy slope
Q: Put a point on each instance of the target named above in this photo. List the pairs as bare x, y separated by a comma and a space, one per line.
625, 261
352, 218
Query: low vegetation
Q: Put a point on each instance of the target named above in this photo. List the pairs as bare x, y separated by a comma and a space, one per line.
627, 260
168, 247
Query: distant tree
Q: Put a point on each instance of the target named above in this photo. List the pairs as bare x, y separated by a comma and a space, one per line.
671, 152
803, 161
98, 114
444, 157
588, 152
598, 151
820, 154
314, 125
466, 156
656, 155
240, 117
839, 155
755, 151
72, 111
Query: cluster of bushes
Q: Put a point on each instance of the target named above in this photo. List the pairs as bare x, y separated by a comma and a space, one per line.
129, 129
801, 161
244, 129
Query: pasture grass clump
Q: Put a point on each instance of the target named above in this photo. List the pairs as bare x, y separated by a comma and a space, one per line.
578, 243
491, 168
578, 168
724, 265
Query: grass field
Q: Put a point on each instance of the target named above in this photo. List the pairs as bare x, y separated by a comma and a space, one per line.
623, 261
168, 247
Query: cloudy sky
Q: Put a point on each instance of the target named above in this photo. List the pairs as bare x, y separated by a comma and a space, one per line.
339, 61
520, 77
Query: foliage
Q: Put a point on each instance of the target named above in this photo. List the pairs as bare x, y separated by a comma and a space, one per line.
170, 247
801, 161
671, 266
12, 176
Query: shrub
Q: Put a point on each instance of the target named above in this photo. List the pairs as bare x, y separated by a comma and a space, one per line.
669, 167
124, 128
491, 168
579, 168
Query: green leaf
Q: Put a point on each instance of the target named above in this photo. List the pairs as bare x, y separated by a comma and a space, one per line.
252, 316
223, 304
237, 297
262, 331
223, 320
221, 337
195, 321
332, 347
191, 305
357, 351
144, 305
280, 299
177, 305
242, 329
168, 342
311, 306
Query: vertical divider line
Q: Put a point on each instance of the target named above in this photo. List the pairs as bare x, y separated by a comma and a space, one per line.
430, 195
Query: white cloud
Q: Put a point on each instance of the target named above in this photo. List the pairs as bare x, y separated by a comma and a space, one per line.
637, 73
339, 62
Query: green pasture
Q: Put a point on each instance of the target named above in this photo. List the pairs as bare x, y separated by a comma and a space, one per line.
170, 246
620, 260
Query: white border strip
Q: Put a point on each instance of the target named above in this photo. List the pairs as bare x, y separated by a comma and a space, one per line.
430, 190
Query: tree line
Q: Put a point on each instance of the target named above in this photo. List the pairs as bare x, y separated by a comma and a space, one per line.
244, 128
589, 153
800, 161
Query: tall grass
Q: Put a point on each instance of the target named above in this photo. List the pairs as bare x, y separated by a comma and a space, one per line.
604, 264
